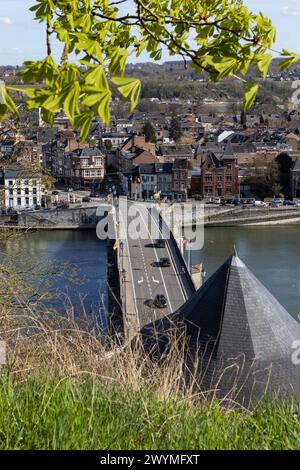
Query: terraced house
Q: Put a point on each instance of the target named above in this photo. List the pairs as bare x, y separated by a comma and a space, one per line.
20, 188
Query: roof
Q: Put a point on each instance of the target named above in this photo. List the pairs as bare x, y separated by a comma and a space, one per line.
177, 149
296, 167
17, 171
229, 153
180, 164
240, 335
91, 152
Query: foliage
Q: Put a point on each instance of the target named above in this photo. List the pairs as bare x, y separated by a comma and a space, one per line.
149, 132
285, 164
175, 129
264, 180
228, 40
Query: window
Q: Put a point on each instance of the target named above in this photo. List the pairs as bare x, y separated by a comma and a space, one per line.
19, 201
229, 166
27, 201
19, 191
220, 179
10, 183
208, 178
86, 173
85, 162
11, 192
228, 178
98, 162
34, 183
35, 201
228, 190
34, 191
27, 191
26, 182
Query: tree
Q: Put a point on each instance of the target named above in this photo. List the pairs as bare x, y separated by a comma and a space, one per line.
285, 164
149, 132
228, 39
175, 129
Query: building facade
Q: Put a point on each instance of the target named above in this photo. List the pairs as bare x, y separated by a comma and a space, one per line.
20, 188
219, 177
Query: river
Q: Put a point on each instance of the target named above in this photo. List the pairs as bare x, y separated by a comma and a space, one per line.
272, 253
84, 286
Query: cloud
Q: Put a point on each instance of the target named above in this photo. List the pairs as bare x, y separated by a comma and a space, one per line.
291, 10
5, 20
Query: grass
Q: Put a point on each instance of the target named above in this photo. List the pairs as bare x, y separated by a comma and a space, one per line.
82, 413
62, 388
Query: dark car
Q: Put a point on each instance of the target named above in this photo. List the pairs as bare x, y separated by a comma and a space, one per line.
86, 199
63, 206
160, 243
287, 202
164, 263
55, 193
160, 301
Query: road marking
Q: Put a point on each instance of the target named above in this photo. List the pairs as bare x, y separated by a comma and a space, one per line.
156, 281
157, 258
176, 272
141, 281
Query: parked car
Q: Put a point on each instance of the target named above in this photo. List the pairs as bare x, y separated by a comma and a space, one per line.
278, 201
259, 204
160, 301
288, 202
160, 243
86, 199
55, 193
164, 263
62, 206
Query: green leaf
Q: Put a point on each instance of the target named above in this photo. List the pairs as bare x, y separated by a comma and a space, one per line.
70, 100
250, 95
6, 100
103, 108
293, 59
129, 88
264, 63
84, 121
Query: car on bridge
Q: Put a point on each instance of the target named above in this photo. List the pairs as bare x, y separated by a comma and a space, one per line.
160, 301
164, 263
160, 243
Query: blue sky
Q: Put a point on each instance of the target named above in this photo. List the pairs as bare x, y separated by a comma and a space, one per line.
21, 38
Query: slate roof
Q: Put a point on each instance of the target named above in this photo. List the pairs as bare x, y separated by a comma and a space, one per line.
240, 335
296, 167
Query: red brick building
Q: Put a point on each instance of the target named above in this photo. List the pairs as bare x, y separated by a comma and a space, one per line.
219, 177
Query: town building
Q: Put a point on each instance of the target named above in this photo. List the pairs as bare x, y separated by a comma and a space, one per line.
88, 168
219, 177
20, 188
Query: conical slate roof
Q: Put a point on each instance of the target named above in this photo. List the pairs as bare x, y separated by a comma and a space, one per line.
241, 337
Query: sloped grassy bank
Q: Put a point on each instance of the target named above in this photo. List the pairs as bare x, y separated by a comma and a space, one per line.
49, 412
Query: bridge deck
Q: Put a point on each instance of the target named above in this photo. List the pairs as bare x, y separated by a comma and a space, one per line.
145, 278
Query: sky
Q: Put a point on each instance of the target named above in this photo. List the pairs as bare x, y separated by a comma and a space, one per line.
22, 39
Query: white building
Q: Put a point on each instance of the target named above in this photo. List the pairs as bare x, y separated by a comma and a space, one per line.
20, 188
